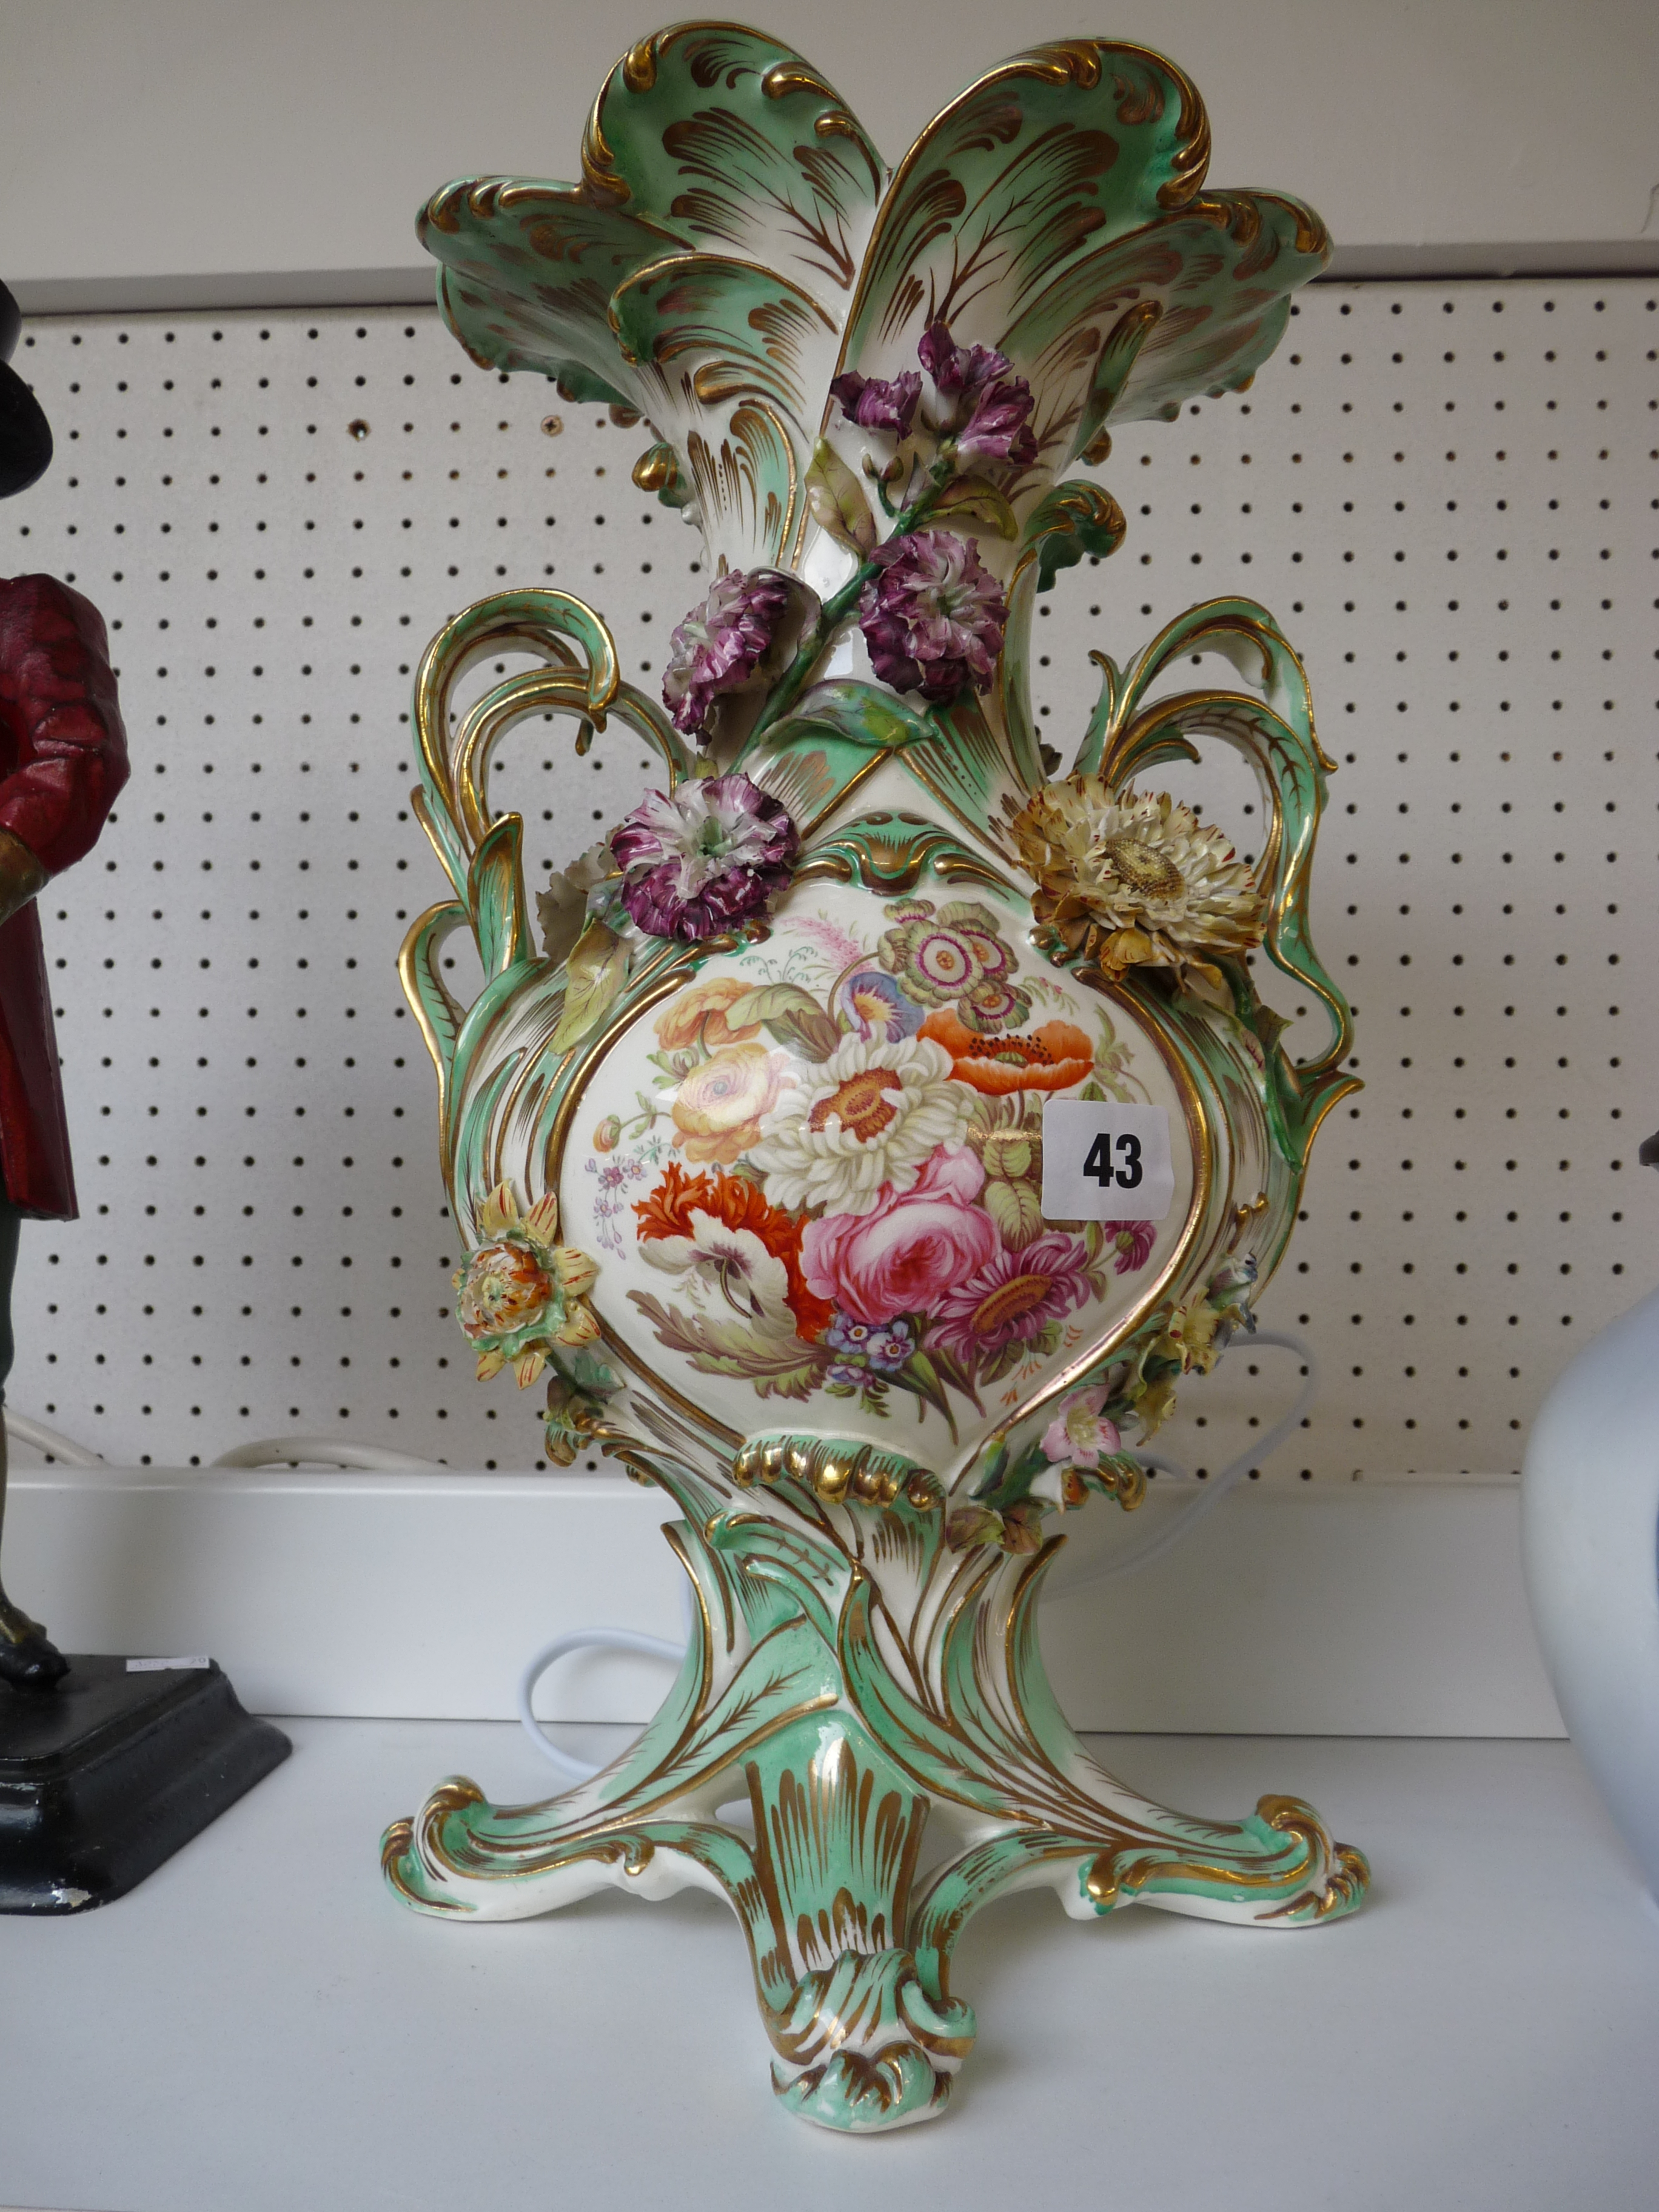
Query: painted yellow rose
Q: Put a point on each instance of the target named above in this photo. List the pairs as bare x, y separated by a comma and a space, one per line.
718, 1107
705, 1007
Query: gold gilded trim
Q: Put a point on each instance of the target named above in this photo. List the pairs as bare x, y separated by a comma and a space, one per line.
660, 986
705, 1679
535, 691
422, 939
639, 66
892, 857
664, 981
528, 622
1205, 1148
796, 76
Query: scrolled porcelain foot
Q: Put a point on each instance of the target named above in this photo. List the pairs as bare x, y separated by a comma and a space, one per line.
851, 1741
862, 2045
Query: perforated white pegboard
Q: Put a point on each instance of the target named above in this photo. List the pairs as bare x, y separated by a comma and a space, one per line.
1448, 495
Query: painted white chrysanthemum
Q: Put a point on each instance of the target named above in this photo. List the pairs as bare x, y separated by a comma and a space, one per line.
1157, 887
868, 1115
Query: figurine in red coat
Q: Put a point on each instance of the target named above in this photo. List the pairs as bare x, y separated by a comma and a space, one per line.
63, 758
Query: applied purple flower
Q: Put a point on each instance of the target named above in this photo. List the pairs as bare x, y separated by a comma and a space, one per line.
874, 404
721, 645
933, 617
990, 407
720, 849
955, 369
999, 428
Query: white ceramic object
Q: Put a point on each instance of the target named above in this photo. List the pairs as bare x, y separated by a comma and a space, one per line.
1589, 1538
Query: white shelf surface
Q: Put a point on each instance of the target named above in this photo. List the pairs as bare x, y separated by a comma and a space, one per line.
1363, 1608
262, 2026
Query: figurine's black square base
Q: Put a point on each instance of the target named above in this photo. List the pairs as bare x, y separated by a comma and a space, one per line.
110, 1773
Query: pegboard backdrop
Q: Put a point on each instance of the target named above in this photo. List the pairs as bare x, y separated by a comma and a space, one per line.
1447, 493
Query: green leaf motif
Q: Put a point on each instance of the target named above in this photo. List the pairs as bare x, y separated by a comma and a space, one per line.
1044, 158
923, 1377
811, 759
860, 714
970, 1526
732, 141
495, 896
595, 973
1016, 1209
778, 1364
966, 497
774, 1001
794, 1019
588, 1370
698, 275
837, 501
1074, 519
765, 333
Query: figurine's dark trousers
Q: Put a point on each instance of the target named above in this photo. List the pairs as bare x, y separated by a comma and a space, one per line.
28, 1659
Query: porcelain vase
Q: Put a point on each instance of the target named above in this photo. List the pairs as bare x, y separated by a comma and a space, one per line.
1590, 1544
864, 1142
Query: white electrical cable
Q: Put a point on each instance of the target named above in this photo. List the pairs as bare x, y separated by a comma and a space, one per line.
268, 1451
334, 1451
339, 1452
51, 1440
319, 1451
1135, 1556
1140, 1555
582, 1639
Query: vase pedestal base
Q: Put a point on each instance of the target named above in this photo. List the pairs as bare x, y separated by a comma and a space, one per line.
880, 1705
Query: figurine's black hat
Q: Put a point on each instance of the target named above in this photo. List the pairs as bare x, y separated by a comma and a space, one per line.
25, 433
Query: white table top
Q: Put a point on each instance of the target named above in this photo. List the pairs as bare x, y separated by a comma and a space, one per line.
260, 2028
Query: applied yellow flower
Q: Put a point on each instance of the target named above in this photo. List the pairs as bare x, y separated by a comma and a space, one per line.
520, 1292
1135, 881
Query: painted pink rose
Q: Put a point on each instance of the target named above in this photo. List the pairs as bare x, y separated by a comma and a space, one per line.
901, 1257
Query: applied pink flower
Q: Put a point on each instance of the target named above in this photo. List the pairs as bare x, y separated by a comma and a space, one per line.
1080, 1435
901, 1257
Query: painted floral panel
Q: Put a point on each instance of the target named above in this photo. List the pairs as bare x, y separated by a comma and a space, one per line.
820, 1164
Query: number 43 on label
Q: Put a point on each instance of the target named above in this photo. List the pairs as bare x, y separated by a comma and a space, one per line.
1105, 1163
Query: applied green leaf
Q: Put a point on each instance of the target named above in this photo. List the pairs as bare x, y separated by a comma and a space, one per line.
837, 500
973, 495
594, 973
1074, 519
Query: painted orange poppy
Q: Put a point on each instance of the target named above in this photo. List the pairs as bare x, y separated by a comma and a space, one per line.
1052, 1058
738, 1205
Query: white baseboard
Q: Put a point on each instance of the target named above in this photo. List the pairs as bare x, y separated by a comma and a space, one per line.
1367, 1609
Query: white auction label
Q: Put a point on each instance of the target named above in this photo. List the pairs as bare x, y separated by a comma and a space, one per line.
1102, 1162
